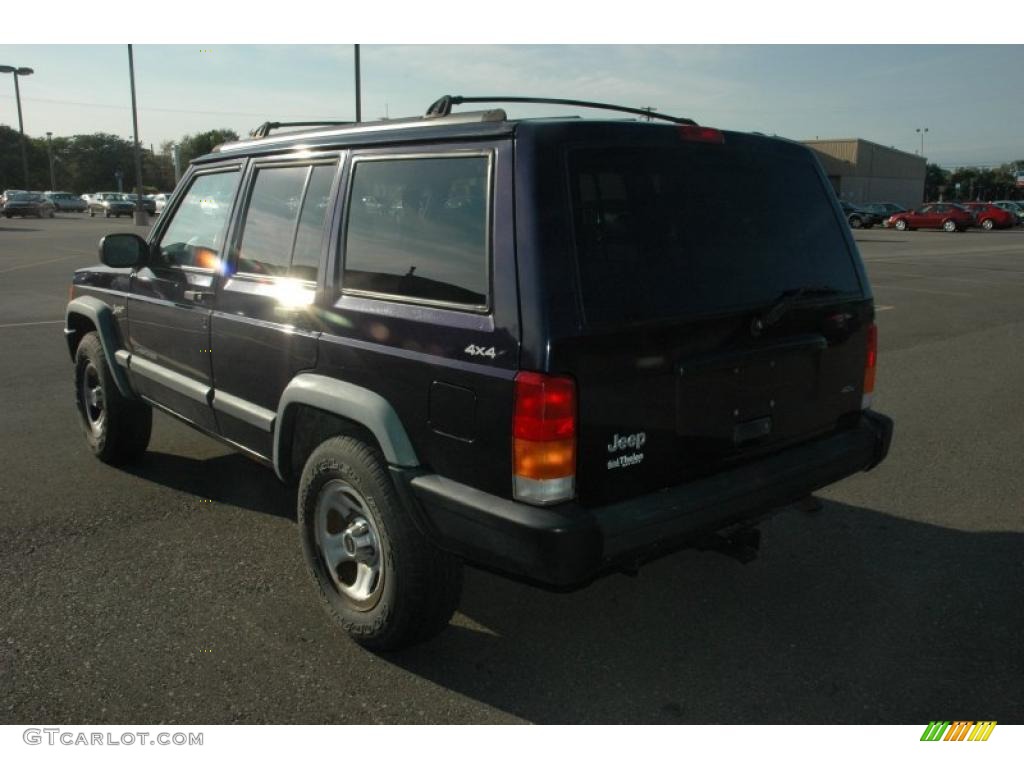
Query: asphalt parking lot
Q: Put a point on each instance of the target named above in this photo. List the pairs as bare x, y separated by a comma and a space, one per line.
175, 591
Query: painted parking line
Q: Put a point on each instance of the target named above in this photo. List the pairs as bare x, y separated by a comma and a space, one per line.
921, 290
1004, 283
883, 307
36, 323
40, 263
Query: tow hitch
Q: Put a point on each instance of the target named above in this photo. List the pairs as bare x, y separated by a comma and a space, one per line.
741, 543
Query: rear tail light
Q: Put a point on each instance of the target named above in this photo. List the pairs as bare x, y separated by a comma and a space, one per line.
544, 438
869, 367
701, 133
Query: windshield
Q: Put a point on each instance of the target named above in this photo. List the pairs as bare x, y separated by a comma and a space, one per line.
699, 229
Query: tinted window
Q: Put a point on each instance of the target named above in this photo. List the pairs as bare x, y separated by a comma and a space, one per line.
681, 231
266, 245
418, 229
194, 236
306, 259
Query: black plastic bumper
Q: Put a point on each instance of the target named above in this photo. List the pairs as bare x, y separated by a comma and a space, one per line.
568, 544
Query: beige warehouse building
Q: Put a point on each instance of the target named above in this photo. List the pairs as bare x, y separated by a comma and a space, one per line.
864, 172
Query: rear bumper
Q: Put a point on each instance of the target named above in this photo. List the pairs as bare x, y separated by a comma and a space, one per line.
568, 544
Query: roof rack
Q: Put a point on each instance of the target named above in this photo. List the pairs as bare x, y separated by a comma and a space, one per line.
443, 106
263, 130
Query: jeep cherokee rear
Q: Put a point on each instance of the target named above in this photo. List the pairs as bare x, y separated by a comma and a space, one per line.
538, 346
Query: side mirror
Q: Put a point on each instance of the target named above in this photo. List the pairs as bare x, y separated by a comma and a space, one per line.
123, 249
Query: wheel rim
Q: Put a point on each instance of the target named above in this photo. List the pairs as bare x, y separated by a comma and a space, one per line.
91, 395
949, 226
987, 224
856, 223
349, 544
901, 224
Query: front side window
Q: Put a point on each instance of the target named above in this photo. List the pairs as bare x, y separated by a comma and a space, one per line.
417, 229
194, 237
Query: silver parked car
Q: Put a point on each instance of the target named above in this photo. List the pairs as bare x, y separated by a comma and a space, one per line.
65, 201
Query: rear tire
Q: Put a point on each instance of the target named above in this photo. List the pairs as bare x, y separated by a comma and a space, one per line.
116, 428
377, 574
949, 225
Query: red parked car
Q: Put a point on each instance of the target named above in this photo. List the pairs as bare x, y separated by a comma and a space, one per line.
948, 216
989, 216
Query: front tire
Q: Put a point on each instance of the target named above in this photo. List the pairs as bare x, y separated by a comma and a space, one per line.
379, 577
901, 225
116, 428
988, 224
856, 222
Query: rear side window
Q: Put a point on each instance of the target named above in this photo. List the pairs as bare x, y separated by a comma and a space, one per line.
673, 232
284, 221
417, 229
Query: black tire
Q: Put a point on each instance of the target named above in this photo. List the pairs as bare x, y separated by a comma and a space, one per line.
988, 224
106, 214
418, 586
901, 225
950, 226
856, 222
116, 428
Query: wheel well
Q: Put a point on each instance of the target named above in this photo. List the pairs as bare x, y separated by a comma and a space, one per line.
80, 325
307, 427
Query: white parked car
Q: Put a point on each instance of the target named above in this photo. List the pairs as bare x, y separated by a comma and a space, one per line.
161, 199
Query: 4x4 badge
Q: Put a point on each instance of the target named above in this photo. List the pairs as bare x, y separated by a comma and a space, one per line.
476, 351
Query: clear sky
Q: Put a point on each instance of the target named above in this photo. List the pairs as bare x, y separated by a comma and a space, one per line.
969, 97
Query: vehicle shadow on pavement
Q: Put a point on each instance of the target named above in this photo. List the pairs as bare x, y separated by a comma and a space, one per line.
850, 615
228, 479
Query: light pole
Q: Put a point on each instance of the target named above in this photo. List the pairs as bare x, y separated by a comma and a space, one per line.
24, 72
49, 153
921, 131
359, 101
140, 214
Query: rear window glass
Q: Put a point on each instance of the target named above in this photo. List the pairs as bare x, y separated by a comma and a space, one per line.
671, 232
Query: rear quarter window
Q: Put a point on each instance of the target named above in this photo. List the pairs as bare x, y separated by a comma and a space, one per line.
418, 229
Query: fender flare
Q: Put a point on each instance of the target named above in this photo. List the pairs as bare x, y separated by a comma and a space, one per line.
102, 318
349, 401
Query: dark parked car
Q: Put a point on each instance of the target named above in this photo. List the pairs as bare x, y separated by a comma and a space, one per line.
990, 216
110, 204
858, 217
947, 216
28, 204
148, 203
65, 201
549, 347
883, 210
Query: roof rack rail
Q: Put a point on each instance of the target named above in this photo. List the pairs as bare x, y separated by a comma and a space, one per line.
263, 130
443, 106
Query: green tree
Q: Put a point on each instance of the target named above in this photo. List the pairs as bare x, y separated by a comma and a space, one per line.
936, 179
193, 146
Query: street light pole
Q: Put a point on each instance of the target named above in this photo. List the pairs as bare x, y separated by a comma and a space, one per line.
24, 72
921, 131
140, 214
359, 100
49, 152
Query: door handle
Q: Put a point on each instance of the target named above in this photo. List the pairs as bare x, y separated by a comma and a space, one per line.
195, 295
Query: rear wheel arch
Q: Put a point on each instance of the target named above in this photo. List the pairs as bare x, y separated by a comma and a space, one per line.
326, 407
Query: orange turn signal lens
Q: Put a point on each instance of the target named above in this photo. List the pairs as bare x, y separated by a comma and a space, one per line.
546, 460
